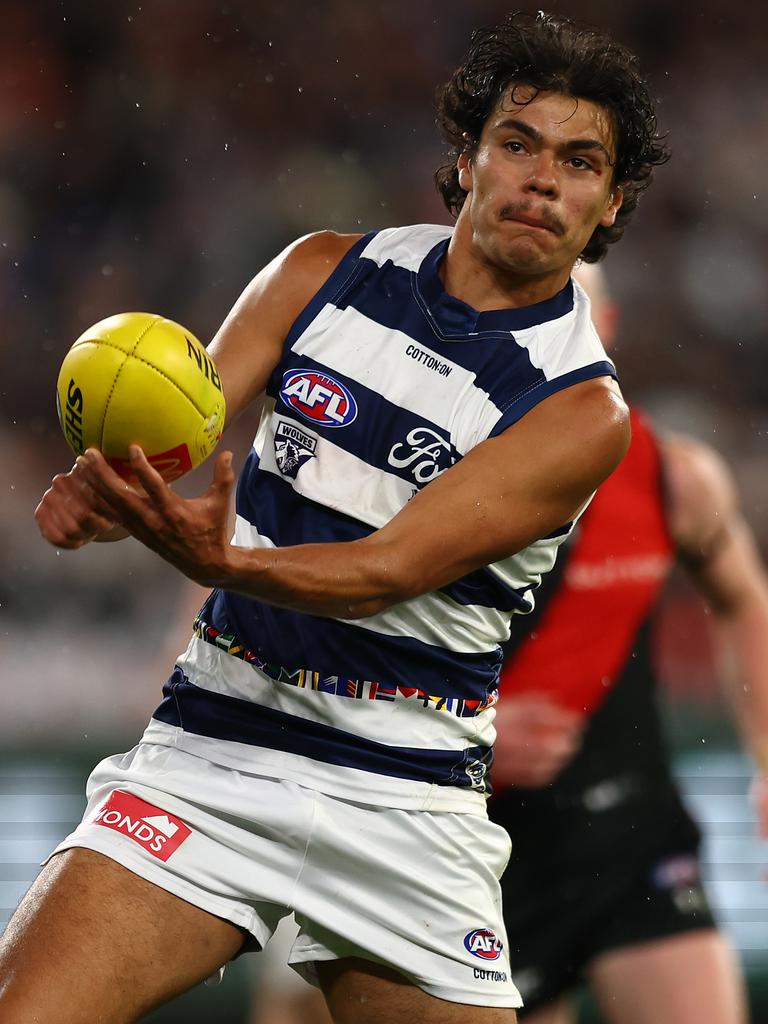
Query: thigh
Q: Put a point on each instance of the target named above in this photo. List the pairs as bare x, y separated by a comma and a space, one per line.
93, 941
360, 992
691, 978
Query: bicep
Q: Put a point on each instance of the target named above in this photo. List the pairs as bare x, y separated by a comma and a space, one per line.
511, 490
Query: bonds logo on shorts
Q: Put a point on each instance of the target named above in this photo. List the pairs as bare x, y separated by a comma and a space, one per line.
155, 830
293, 447
318, 398
483, 943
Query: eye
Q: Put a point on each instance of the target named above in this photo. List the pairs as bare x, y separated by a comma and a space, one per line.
514, 146
580, 163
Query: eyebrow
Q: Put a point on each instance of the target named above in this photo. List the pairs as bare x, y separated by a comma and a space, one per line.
573, 144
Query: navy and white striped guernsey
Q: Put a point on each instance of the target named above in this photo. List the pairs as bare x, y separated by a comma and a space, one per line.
385, 381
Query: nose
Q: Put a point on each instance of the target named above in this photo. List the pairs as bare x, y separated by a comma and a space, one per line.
542, 179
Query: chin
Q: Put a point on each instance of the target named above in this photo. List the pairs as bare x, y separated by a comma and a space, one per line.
525, 259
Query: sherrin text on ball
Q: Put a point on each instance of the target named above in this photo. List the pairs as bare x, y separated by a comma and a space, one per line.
138, 378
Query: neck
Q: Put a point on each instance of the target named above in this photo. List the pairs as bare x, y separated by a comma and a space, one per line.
469, 274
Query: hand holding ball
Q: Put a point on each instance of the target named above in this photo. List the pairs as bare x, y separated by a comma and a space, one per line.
137, 378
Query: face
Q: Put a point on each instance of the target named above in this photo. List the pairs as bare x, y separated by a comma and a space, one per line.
539, 181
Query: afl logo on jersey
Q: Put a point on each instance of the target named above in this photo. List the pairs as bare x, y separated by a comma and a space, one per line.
483, 943
318, 398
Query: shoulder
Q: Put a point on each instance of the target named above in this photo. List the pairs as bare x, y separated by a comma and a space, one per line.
701, 490
285, 285
314, 257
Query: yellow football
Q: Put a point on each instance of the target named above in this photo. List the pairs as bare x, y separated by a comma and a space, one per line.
138, 378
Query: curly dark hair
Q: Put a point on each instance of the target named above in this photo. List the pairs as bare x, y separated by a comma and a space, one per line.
553, 54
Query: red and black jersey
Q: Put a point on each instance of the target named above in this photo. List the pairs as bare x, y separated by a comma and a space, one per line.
603, 590
587, 644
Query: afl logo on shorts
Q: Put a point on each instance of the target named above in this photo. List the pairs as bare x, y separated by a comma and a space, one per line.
483, 943
318, 398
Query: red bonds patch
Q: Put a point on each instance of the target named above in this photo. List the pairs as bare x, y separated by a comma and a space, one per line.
157, 831
170, 465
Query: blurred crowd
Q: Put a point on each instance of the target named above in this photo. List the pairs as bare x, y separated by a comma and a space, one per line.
154, 156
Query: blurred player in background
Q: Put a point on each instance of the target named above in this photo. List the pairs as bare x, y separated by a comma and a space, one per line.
603, 884
439, 411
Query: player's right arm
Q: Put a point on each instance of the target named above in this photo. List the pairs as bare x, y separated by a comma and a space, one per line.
246, 349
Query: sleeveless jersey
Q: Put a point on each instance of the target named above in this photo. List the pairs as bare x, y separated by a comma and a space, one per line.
385, 381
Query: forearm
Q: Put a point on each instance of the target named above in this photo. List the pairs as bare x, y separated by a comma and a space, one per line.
347, 580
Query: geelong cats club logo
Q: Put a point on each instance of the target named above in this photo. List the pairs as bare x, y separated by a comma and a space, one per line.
318, 398
293, 447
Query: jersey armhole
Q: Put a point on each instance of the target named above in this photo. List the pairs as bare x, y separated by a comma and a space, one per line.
530, 398
336, 283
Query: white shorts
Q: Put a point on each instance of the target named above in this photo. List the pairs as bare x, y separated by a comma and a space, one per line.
416, 891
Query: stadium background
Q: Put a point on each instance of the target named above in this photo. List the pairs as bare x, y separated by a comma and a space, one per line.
155, 156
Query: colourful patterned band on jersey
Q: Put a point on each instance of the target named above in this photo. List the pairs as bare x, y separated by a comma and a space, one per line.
340, 686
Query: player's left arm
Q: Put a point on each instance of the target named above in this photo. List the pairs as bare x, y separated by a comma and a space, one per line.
506, 493
717, 547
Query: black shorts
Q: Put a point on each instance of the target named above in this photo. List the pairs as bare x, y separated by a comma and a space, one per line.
559, 924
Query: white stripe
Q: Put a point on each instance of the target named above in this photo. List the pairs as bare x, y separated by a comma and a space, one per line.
402, 720
566, 344
247, 536
526, 568
335, 478
407, 246
437, 619
378, 359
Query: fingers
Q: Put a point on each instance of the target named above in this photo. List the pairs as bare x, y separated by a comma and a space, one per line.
154, 485
70, 514
223, 475
116, 494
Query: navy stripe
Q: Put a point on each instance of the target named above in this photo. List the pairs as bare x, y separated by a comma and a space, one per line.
287, 517
483, 588
521, 406
207, 713
561, 531
379, 426
338, 648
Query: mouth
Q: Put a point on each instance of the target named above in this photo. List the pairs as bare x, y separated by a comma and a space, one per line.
530, 222
519, 214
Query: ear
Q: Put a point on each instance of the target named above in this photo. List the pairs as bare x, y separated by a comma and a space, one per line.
615, 199
464, 167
